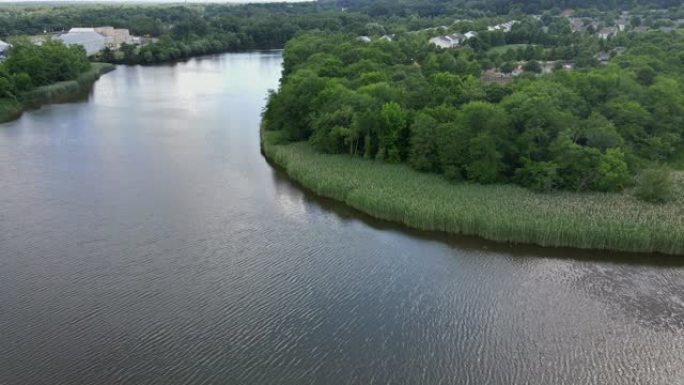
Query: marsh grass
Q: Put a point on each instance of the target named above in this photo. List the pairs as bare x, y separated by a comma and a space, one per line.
11, 109
57, 91
503, 213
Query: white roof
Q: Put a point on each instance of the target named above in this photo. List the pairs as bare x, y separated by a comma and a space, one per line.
81, 30
90, 40
3, 45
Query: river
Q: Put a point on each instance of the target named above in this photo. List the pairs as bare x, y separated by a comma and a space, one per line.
145, 240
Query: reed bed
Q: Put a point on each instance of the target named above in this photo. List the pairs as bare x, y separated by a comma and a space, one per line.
65, 89
505, 213
11, 109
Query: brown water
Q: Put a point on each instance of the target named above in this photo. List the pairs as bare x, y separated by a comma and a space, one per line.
145, 240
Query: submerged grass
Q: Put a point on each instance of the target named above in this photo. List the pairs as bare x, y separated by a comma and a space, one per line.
503, 213
11, 109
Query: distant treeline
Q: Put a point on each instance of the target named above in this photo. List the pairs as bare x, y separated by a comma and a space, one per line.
188, 30
432, 8
404, 101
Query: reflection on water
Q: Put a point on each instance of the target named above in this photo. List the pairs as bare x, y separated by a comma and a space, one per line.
143, 239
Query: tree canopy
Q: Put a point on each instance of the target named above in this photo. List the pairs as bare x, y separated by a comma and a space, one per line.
406, 101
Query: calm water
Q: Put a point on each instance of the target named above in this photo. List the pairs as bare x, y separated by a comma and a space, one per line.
144, 240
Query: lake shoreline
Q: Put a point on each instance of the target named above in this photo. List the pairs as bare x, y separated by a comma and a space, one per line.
53, 93
528, 224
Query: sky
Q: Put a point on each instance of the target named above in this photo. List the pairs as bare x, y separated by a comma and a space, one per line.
148, 1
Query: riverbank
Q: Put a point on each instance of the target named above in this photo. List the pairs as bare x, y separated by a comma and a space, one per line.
11, 109
503, 213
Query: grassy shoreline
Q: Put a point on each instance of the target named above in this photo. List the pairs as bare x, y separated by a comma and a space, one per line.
12, 109
504, 213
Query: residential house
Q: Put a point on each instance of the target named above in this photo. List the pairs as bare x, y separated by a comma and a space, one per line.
603, 57
364, 39
607, 32
505, 27
448, 41
470, 34
576, 24
494, 76
4, 50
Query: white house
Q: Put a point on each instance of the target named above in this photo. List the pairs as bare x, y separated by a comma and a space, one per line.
505, 27
605, 33
4, 47
448, 41
92, 41
470, 34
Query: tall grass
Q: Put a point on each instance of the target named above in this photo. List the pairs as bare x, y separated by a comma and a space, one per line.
11, 109
60, 90
504, 213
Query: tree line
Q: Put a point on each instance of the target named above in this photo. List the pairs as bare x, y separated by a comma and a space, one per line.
406, 101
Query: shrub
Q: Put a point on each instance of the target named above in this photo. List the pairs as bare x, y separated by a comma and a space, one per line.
613, 173
655, 185
538, 176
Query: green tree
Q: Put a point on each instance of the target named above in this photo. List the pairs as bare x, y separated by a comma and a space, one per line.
485, 163
424, 139
612, 171
392, 123
533, 66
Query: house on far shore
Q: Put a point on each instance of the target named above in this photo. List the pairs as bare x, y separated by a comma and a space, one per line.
95, 40
603, 57
88, 38
607, 32
448, 41
505, 27
364, 39
4, 47
116, 36
470, 35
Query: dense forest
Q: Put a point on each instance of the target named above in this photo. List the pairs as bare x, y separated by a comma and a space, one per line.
407, 101
181, 31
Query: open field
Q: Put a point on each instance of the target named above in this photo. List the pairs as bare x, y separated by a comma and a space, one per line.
503, 213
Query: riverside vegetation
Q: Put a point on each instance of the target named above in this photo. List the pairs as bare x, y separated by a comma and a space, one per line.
588, 141
505, 213
32, 75
430, 145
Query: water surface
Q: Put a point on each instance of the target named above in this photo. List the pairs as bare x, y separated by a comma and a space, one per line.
145, 240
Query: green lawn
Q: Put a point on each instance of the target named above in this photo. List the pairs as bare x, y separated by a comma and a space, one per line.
505, 213
503, 48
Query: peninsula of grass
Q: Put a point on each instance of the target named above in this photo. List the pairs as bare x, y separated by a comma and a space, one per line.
504, 213
11, 109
